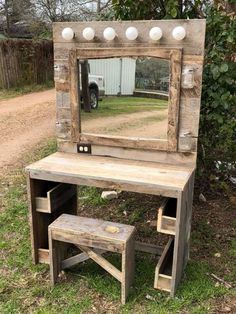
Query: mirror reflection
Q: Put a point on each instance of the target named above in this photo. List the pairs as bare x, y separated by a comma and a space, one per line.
125, 96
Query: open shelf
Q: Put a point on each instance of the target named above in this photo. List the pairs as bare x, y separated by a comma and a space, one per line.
166, 220
163, 273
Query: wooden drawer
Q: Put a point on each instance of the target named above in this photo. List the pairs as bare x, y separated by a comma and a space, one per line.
163, 273
54, 198
166, 220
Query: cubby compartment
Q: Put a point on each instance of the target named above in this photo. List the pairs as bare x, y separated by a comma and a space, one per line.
163, 273
166, 220
53, 196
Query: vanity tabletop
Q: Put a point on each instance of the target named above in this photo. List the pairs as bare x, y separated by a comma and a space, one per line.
113, 173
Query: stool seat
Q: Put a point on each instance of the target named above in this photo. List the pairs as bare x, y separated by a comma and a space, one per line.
88, 235
87, 231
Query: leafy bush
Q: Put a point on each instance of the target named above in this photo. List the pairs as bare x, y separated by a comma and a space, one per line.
217, 141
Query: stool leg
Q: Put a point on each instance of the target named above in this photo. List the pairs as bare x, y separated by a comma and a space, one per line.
128, 265
55, 258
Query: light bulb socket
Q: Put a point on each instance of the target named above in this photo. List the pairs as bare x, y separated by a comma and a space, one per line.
88, 33
131, 33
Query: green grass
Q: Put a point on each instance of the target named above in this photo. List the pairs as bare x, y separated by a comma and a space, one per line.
18, 91
111, 106
24, 287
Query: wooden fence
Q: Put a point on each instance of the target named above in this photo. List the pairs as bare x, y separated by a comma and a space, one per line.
24, 62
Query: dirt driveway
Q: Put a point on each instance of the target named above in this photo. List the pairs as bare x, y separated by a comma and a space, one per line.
24, 122
27, 120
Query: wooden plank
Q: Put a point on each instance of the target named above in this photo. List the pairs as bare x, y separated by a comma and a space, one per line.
31, 193
185, 159
174, 94
95, 53
111, 172
163, 278
128, 268
55, 258
74, 96
59, 195
122, 141
66, 146
91, 232
183, 226
189, 115
193, 43
79, 258
148, 248
56, 197
102, 262
166, 221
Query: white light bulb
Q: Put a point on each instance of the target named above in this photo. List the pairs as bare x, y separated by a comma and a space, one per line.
179, 33
109, 33
67, 33
131, 33
88, 33
155, 33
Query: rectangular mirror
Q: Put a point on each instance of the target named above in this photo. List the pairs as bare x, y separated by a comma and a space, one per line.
129, 97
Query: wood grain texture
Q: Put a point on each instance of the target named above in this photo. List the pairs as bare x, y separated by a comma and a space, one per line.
175, 57
145, 177
176, 158
183, 220
174, 95
122, 141
88, 233
166, 221
163, 276
74, 96
192, 44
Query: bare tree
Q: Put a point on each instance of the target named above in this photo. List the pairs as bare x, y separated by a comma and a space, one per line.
69, 10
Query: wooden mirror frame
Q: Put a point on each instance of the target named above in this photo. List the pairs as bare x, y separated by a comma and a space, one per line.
174, 55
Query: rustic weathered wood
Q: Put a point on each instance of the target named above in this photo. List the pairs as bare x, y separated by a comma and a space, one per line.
79, 258
182, 237
39, 221
193, 44
166, 221
144, 177
56, 197
182, 119
122, 141
174, 93
88, 233
158, 167
184, 159
74, 95
175, 56
128, 267
148, 248
101, 261
162, 53
163, 273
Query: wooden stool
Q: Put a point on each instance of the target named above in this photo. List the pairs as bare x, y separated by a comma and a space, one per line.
89, 235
